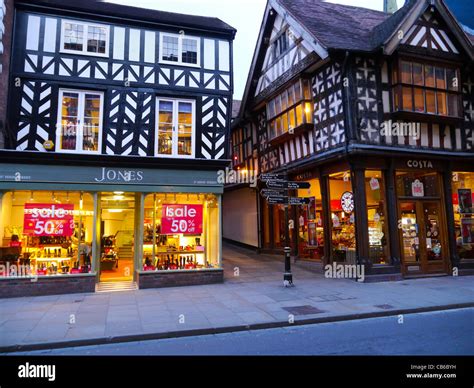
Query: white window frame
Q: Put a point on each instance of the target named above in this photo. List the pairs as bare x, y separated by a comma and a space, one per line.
180, 50
80, 129
174, 149
86, 26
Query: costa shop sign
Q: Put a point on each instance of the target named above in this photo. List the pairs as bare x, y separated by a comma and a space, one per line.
181, 219
48, 219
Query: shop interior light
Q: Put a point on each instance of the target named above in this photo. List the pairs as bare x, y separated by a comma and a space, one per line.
67, 197
31, 196
53, 196
81, 201
119, 197
13, 196
119, 192
115, 210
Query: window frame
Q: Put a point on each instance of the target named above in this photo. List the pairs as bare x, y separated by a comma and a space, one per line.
86, 26
174, 147
180, 50
297, 102
80, 131
397, 86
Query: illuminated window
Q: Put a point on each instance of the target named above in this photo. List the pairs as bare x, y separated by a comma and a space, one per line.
80, 121
176, 126
426, 89
290, 109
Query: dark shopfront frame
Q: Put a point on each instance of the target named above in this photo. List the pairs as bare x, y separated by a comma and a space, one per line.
388, 166
42, 177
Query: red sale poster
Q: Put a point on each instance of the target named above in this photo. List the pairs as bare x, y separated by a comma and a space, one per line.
181, 219
42, 219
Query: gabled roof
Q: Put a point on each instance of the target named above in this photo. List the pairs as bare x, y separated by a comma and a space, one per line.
330, 26
140, 14
336, 26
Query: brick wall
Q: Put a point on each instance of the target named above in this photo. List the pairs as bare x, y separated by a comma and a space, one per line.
6, 7
179, 279
45, 285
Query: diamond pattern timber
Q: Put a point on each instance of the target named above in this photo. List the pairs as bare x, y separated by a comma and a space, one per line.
367, 107
34, 125
328, 108
130, 130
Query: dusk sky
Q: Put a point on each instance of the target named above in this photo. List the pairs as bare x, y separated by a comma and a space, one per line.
244, 15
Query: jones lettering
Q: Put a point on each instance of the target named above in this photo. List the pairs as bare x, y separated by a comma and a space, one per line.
110, 175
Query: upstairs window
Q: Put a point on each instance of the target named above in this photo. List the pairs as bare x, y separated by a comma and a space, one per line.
176, 128
426, 88
84, 38
290, 109
180, 49
80, 121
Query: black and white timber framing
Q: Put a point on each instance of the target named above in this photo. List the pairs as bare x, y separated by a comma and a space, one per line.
130, 76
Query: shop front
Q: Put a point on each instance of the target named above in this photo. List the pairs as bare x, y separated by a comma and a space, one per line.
396, 216
63, 229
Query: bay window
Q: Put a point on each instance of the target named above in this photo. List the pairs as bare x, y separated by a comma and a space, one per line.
176, 128
79, 121
290, 109
84, 38
426, 88
180, 49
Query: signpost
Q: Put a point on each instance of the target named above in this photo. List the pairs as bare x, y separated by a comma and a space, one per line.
276, 192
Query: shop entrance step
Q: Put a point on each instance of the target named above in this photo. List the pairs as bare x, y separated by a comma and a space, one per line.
116, 286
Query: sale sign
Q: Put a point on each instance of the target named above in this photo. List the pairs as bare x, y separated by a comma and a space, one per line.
181, 219
48, 219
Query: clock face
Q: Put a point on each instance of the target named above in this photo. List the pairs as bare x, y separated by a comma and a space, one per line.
347, 202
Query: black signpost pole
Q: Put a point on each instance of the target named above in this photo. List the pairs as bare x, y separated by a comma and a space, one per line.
276, 191
287, 276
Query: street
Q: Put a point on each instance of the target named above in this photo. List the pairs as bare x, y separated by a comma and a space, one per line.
448, 332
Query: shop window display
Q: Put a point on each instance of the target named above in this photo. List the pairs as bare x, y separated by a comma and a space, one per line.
46, 233
310, 223
181, 232
463, 203
342, 217
377, 218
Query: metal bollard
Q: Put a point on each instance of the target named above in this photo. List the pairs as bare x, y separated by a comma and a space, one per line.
287, 276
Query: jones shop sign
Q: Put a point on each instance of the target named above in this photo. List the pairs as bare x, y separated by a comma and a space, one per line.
181, 219
105, 175
48, 219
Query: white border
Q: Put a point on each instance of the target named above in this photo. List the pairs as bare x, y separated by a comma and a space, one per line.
84, 48
180, 49
174, 151
79, 134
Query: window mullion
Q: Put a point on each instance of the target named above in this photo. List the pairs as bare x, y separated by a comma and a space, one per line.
180, 49
175, 128
80, 129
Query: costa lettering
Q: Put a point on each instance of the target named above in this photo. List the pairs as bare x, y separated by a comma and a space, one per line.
110, 175
420, 164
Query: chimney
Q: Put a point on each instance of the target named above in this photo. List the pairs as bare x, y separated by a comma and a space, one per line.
390, 6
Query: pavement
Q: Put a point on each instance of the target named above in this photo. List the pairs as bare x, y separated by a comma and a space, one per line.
252, 297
